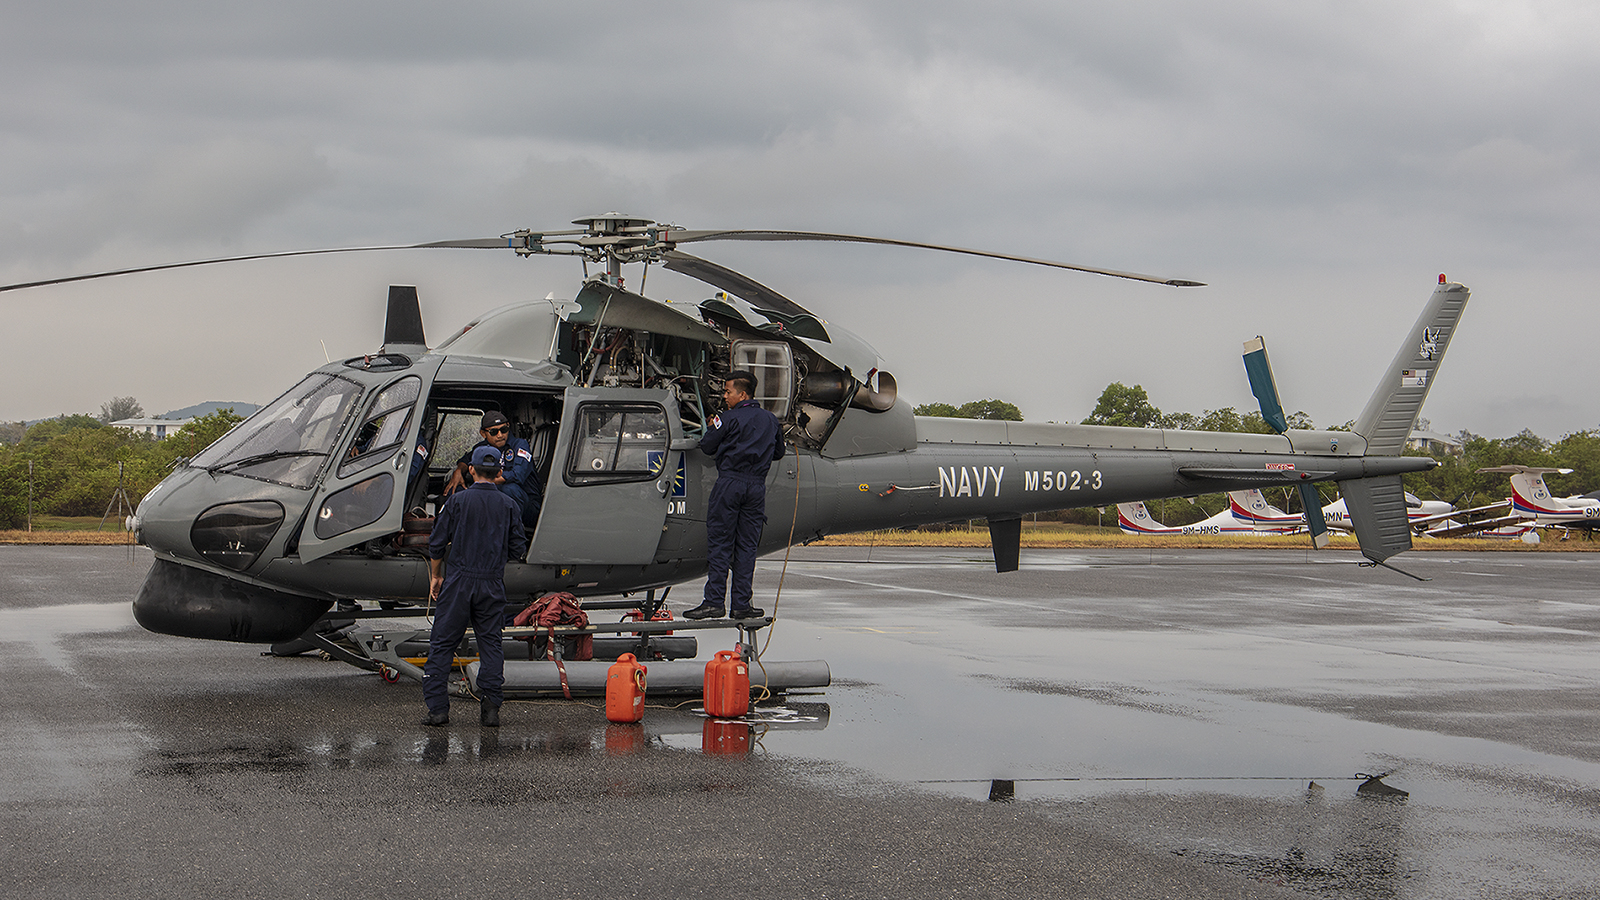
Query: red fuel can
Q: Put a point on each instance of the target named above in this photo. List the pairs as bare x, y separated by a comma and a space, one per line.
625, 690
727, 685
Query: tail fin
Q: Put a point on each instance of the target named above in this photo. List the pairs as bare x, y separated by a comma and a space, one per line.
1251, 506
1529, 496
1133, 518
1387, 420
1377, 508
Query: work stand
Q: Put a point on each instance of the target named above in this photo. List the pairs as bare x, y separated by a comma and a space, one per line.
391, 650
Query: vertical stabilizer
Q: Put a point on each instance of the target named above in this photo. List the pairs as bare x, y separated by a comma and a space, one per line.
1387, 420
1134, 518
402, 327
1377, 508
1005, 536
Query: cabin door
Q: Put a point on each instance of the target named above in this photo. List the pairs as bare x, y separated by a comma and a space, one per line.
605, 501
363, 494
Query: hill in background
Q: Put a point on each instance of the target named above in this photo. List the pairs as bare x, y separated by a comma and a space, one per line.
209, 407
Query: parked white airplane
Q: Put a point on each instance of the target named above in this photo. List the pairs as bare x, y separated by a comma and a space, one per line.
1419, 512
1502, 527
1533, 502
1248, 513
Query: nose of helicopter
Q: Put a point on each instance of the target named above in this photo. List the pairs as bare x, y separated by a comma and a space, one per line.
187, 601
205, 538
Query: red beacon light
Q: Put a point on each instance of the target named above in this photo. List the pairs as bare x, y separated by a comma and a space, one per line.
1441, 278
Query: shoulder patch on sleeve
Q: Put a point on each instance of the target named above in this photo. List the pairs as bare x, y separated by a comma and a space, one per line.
716, 421
524, 454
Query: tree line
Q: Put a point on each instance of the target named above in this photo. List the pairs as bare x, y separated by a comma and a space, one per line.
74, 460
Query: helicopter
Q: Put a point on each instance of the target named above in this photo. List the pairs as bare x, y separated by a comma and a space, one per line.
325, 494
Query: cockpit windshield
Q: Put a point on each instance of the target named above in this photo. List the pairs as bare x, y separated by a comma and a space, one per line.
286, 441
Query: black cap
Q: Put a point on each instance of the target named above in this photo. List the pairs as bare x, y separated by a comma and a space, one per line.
492, 418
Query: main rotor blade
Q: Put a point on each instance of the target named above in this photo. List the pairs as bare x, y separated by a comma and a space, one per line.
687, 237
472, 243
740, 285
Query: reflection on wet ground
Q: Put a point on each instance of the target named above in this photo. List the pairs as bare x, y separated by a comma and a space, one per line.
1214, 708
1188, 706
666, 731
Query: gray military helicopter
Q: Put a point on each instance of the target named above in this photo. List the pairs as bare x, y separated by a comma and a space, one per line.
317, 498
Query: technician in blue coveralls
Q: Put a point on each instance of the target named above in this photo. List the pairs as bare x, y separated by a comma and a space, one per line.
745, 439
517, 479
480, 528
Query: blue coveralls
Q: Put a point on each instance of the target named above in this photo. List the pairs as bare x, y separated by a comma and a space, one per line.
745, 440
481, 528
522, 481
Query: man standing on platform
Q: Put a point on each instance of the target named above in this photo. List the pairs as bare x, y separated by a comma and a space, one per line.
480, 528
745, 439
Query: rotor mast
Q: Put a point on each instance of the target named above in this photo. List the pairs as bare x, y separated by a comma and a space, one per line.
608, 239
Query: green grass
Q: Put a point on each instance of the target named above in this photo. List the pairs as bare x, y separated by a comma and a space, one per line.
76, 523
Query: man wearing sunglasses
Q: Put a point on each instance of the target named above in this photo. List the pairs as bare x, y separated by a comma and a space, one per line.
517, 479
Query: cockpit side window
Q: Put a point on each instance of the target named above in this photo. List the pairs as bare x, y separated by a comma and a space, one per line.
384, 425
286, 441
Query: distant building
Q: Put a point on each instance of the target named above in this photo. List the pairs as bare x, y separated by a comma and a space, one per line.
159, 428
1433, 443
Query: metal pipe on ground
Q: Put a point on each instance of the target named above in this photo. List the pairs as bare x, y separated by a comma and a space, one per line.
665, 678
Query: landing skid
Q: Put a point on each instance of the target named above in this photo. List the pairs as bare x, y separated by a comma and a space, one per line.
394, 650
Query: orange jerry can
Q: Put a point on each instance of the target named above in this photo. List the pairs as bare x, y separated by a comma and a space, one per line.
727, 685
625, 690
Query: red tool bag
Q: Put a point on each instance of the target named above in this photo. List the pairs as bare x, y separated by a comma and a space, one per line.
549, 612
552, 611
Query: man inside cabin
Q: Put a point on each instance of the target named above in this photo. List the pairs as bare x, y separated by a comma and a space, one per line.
745, 439
517, 478
476, 531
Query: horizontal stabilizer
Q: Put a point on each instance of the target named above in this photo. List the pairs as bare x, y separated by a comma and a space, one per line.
1377, 508
1252, 476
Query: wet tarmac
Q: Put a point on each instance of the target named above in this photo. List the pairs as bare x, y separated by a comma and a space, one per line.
1159, 723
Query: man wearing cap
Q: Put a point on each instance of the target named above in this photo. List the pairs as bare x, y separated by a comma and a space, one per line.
517, 479
745, 439
479, 528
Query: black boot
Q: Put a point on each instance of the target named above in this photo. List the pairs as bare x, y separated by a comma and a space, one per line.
704, 611
435, 719
489, 714
747, 612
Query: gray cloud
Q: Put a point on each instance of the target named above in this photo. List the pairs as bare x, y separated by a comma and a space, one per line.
1318, 163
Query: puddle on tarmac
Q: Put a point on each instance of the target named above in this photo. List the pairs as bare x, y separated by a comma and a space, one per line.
1124, 733
44, 627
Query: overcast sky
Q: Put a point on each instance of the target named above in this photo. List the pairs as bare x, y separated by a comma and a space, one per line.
1318, 164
